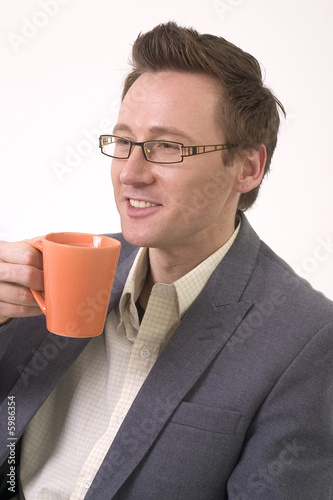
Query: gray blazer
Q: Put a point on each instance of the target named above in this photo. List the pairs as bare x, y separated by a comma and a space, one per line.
238, 406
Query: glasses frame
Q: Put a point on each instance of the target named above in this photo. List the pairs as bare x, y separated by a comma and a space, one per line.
186, 150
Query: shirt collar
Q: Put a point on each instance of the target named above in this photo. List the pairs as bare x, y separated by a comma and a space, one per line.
132, 289
187, 288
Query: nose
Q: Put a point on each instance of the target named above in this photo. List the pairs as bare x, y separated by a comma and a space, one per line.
136, 169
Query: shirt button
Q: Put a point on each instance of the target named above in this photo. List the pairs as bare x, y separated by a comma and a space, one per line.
121, 418
87, 483
144, 353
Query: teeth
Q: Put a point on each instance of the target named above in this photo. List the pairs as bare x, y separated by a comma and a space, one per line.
141, 204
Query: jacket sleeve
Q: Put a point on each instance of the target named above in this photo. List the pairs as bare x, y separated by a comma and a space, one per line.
5, 336
288, 452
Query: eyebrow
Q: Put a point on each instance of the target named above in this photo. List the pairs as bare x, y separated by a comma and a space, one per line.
156, 131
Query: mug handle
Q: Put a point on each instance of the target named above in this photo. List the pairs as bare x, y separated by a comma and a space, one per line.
38, 296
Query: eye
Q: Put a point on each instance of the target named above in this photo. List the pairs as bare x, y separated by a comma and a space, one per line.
171, 146
119, 141
163, 151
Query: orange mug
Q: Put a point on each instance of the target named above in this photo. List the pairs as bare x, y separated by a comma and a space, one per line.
79, 270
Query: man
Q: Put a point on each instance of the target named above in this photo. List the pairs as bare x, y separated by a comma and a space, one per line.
213, 377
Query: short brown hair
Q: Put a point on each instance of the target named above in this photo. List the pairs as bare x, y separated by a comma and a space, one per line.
250, 111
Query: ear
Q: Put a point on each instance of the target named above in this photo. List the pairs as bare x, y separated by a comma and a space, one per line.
251, 169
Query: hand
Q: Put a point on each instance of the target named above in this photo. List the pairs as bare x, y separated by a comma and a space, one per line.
20, 269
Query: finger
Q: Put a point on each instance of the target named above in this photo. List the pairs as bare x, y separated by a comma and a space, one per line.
23, 275
20, 252
16, 301
16, 295
9, 311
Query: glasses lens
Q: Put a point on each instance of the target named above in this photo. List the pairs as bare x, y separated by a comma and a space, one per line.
163, 151
116, 147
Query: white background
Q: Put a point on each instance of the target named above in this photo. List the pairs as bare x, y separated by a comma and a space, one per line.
62, 66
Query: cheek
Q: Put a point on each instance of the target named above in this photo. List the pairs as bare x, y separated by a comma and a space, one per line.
209, 195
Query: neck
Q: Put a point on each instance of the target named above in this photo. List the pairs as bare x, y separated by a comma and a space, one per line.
167, 265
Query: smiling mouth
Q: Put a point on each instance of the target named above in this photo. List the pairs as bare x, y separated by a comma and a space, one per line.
141, 204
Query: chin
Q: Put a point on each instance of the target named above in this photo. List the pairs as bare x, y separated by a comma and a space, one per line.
135, 238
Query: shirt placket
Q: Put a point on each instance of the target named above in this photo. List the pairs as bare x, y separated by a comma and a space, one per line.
160, 319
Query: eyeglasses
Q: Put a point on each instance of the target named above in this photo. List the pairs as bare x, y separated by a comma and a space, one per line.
155, 151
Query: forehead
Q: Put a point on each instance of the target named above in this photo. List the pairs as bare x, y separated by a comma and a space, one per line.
185, 101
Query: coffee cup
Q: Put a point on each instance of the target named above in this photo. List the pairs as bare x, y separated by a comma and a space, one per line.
79, 270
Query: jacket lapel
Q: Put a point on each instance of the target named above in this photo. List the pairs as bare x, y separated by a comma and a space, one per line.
202, 334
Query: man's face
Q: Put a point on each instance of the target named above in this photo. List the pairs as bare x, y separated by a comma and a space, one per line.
192, 203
